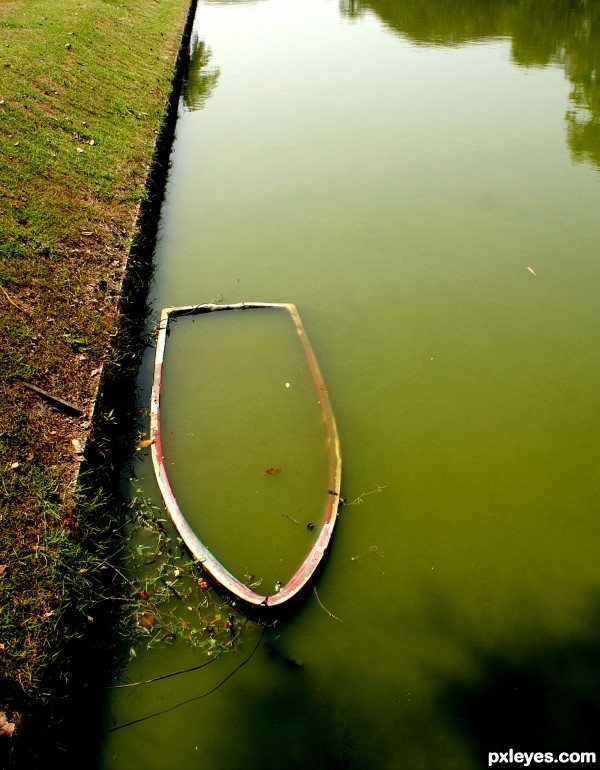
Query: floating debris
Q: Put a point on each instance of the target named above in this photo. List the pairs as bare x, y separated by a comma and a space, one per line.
146, 619
373, 549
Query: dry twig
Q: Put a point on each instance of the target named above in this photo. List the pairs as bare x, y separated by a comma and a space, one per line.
331, 615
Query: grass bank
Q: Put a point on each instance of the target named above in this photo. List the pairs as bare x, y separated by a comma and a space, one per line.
84, 88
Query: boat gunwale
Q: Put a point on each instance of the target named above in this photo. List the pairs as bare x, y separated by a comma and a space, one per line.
210, 564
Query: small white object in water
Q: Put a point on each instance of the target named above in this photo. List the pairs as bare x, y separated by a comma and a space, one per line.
287, 384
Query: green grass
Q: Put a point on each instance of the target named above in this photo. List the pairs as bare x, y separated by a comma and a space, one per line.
83, 94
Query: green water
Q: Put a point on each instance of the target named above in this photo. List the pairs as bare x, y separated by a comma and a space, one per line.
422, 180
246, 445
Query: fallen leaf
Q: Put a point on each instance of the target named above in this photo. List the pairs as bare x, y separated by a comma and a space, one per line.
532, 271
3, 569
6, 728
272, 471
77, 444
146, 620
145, 443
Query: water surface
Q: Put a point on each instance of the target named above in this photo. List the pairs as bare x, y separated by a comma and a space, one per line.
246, 447
421, 180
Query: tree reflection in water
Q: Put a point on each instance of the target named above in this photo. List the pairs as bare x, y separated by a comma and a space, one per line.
564, 33
200, 78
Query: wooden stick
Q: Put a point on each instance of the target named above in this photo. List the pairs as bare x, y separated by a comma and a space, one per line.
331, 615
63, 406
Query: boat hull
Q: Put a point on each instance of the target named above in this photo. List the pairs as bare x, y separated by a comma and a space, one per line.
325, 519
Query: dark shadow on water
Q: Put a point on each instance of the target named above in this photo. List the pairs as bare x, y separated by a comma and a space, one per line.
543, 696
539, 693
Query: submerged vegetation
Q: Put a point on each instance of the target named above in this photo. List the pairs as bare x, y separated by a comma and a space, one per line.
84, 103
169, 597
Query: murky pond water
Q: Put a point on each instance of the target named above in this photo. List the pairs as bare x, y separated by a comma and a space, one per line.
247, 450
422, 180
